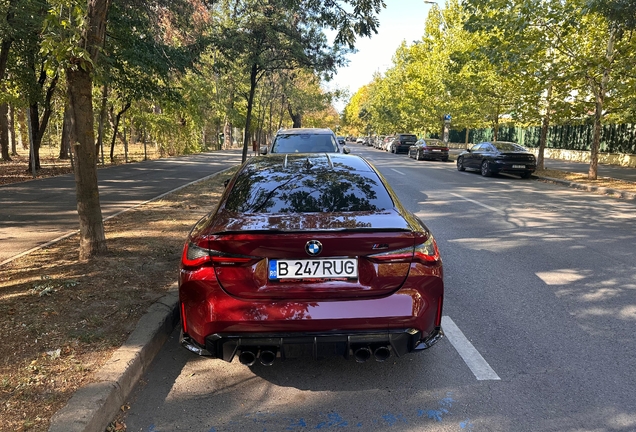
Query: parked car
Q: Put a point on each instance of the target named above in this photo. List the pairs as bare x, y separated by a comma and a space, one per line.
386, 144
309, 251
428, 149
402, 142
498, 156
305, 140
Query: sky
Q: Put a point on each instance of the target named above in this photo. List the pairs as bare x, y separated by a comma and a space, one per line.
400, 20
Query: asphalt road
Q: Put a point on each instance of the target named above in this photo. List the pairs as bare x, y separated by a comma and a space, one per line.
35, 212
539, 311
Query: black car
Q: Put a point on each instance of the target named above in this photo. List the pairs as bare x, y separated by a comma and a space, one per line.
402, 143
305, 140
429, 149
498, 156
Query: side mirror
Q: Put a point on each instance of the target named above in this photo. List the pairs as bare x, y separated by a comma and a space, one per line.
346, 150
263, 150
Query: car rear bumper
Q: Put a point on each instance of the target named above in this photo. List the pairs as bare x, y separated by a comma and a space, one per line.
357, 345
218, 324
435, 155
513, 167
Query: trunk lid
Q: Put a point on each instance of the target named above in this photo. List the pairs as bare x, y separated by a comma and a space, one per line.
342, 238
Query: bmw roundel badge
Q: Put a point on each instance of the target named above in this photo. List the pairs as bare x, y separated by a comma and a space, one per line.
313, 247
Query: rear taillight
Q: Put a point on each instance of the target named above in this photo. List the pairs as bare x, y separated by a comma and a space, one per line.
195, 256
396, 256
426, 253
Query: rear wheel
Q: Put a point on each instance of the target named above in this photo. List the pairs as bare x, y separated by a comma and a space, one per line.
526, 175
419, 156
485, 169
460, 164
445, 159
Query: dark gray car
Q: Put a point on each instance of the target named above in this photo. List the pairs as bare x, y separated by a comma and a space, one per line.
495, 157
402, 143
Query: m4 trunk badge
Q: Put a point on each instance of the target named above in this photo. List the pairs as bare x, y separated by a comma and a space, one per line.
380, 246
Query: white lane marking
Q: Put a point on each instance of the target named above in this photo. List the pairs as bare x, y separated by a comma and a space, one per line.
478, 203
480, 368
399, 172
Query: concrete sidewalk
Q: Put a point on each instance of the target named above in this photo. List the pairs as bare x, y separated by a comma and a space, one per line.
591, 188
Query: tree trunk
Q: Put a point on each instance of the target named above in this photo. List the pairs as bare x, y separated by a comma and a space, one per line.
80, 86
250, 104
12, 134
102, 118
67, 133
38, 127
24, 129
92, 238
545, 124
114, 122
596, 140
36, 138
4, 131
599, 95
297, 118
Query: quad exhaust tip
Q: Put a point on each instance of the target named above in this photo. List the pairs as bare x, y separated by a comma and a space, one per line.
247, 357
266, 356
380, 353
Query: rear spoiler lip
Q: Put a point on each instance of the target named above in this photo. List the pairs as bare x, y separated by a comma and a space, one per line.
317, 231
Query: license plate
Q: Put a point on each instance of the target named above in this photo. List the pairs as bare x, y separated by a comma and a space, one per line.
519, 166
314, 269
436, 150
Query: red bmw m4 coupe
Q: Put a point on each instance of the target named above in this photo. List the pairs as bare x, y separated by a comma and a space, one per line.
309, 254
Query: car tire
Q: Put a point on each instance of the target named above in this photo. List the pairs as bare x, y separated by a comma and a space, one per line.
485, 169
525, 175
420, 156
445, 160
460, 164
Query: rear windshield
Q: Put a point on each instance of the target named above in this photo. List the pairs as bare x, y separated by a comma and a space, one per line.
304, 143
506, 146
338, 189
408, 138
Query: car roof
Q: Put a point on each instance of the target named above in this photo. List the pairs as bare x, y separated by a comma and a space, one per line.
300, 131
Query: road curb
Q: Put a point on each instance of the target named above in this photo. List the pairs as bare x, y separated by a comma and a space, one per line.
95, 405
590, 188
